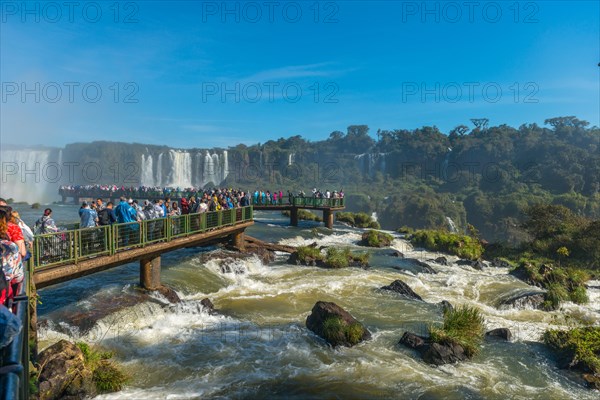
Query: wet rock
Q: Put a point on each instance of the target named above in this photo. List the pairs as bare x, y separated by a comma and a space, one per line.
208, 306
63, 373
525, 300
375, 238
499, 263
478, 265
403, 289
412, 340
446, 353
463, 262
441, 260
336, 325
308, 261
592, 381
425, 268
169, 293
446, 305
521, 273
396, 253
434, 353
266, 256
502, 333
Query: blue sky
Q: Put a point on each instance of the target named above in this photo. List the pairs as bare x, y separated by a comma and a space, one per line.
205, 74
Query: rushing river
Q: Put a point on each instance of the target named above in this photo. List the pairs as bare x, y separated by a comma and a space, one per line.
259, 347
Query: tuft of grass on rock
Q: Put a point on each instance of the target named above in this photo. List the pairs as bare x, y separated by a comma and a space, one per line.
463, 326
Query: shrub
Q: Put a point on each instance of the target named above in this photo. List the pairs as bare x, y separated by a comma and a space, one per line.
376, 239
107, 376
307, 253
358, 220
554, 296
338, 258
463, 326
583, 342
460, 245
336, 330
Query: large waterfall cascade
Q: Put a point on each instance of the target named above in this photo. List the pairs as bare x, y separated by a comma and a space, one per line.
179, 168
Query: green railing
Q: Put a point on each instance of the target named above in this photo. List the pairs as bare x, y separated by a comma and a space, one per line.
70, 247
301, 202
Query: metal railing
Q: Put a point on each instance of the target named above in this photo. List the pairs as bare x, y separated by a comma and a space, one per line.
70, 247
14, 358
300, 202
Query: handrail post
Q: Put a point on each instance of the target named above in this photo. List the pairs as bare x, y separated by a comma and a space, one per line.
219, 218
76, 238
169, 227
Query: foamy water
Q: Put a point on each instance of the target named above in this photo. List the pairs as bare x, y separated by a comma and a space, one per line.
258, 347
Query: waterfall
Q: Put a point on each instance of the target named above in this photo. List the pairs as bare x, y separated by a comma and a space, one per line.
180, 169
291, 158
147, 171
225, 165
217, 166
159, 181
31, 175
208, 170
451, 225
445, 163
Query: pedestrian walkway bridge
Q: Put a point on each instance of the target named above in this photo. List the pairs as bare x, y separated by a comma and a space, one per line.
293, 204
66, 255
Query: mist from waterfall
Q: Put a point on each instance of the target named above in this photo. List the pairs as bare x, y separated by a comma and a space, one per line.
31, 175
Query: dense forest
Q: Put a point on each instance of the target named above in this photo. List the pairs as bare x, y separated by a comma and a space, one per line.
421, 178
418, 178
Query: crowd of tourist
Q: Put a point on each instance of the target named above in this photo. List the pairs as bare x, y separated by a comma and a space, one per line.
15, 243
17, 238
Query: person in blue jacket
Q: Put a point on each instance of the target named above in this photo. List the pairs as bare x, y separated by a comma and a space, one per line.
126, 213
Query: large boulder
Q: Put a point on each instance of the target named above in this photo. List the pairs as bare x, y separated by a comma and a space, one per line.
64, 373
336, 325
412, 340
402, 289
208, 306
529, 300
443, 353
425, 268
376, 239
501, 333
434, 353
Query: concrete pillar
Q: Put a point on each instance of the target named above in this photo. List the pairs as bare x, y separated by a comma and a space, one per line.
294, 216
150, 273
328, 218
238, 240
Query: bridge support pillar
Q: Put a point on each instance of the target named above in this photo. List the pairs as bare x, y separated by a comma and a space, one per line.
294, 216
150, 273
328, 218
238, 240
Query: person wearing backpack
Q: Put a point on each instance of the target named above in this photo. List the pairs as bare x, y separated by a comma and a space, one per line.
106, 216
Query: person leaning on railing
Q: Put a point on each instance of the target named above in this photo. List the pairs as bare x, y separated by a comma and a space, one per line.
12, 262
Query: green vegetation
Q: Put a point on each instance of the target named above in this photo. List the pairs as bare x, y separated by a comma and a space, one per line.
304, 215
107, 376
463, 326
460, 245
308, 254
336, 331
583, 344
376, 239
561, 283
357, 220
341, 258
36, 206
334, 257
